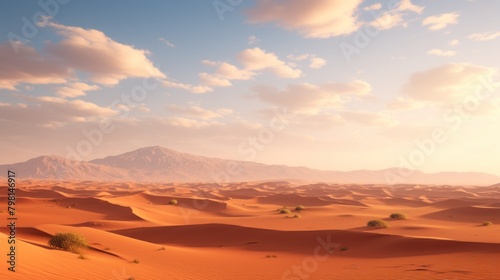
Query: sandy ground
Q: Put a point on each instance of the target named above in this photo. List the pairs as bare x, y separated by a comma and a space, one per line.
236, 232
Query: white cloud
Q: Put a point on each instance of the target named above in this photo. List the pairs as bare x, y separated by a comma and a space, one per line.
187, 87
448, 83
253, 40
373, 7
106, 60
453, 42
317, 62
314, 61
439, 52
87, 50
311, 99
395, 17
252, 60
441, 21
53, 111
231, 72
224, 74
257, 59
484, 36
75, 89
312, 18
406, 5
30, 67
387, 20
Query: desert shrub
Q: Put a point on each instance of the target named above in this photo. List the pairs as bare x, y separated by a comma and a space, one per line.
135, 261
82, 257
487, 224
300, 208
285, 211
343, 249
173, 202
71, 242
398, 216
296, 216
378, 223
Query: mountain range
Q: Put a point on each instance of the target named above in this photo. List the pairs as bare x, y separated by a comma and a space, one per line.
158, 164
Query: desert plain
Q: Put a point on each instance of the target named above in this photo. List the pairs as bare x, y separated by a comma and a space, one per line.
236, 231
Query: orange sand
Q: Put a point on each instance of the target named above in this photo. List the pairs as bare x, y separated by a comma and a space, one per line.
235, 231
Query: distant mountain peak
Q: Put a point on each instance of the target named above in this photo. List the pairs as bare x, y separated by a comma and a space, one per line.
156, 163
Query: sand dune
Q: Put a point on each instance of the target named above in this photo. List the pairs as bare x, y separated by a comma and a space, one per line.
366, 244
472, 214
234, 231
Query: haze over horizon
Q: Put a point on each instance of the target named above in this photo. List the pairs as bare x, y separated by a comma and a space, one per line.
330, 85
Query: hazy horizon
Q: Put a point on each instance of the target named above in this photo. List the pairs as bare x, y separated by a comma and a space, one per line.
394, 167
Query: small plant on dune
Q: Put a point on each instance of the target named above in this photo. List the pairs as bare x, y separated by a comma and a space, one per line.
161, 249
487, 224
107, 249
343, 249
378, 223
136, 261
82, 257
398, 216
296, 216
271, 256
173, 202
131, 278
71, 242
300, 208
285, 211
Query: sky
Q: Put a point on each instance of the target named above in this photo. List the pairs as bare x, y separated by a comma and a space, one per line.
327, 84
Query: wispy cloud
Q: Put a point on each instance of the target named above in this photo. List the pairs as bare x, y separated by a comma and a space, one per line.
253, 40
75, 89
439, 52
447, 83
167, 42
312, 99
253, 61
441, 21
314, 61
484, 36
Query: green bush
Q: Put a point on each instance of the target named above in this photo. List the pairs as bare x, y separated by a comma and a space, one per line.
487, 224
378, 223
300, 208
173, 202
71, 242
398, 216
285, 211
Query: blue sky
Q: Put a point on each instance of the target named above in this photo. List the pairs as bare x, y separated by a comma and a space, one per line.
365, 84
